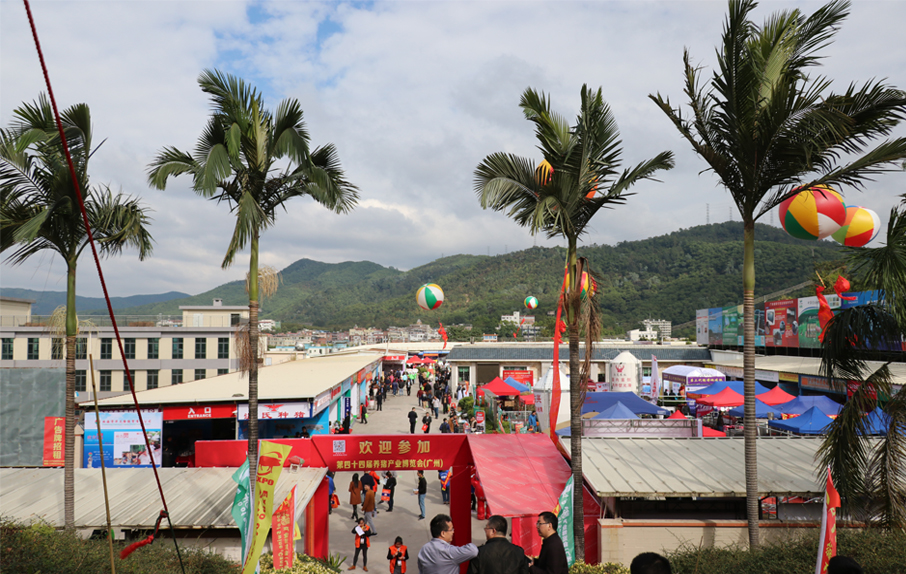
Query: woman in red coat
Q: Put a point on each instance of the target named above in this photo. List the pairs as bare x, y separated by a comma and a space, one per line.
355, 495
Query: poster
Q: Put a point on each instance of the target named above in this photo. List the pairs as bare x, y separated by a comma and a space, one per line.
124, 443
732, 325
715, 326
809, 325
781, 323
520, 376
759, 326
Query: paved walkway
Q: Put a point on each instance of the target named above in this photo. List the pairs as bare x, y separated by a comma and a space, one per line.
403, 521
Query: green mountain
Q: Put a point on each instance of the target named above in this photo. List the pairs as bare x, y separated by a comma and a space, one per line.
46, 301
665, 277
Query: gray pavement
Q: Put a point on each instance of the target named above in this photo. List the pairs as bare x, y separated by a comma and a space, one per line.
403, 521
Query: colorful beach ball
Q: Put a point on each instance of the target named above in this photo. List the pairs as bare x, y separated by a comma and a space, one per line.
861, 226
587, 286
430, 296
531, 302
813, 214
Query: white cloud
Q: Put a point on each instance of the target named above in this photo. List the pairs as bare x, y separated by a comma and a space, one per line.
414, 95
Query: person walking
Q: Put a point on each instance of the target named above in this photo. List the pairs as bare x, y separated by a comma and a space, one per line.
390, 485
421, 491
439, 556
426, 422
445, 427
552, 558
380, 400
355, 495
444, 477
436, 404
362, 535
398, 555
363, 414
368, 507
413, 418
498, 555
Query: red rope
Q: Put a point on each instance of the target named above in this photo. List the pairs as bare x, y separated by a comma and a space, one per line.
97, 261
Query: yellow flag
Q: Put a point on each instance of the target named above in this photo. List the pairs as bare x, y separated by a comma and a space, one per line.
270, 465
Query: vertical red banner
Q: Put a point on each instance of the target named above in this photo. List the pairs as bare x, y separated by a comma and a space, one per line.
282, 533
54, 438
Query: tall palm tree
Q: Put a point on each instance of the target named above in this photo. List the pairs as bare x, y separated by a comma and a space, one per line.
763, 126
40, 210
579, 176
235, 162
871, 477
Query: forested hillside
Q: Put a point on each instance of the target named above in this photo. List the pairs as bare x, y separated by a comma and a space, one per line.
666, 277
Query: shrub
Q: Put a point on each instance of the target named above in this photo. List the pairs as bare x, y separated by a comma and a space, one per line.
303, 564
606, 568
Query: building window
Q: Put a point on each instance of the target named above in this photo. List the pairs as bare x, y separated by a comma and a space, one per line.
200, 374
7, 354
223, 348
106, 348
32, 349
201, 348
154, 348
463, 374
176, 376
106, 381
56, 349
81, 349
81, 381
129, 348
234, 319
222, 372
153, 379
177, 350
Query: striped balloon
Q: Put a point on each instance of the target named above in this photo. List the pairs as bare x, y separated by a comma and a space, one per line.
587, 286
861, 226
813, 214
430, 296
531, 302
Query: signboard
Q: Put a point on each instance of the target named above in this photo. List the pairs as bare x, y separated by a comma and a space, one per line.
715, 326
781, 323
520, 376
389, 452
272, 411
817, 383
321, 401
701, 326
54, 438
479, 417
124, 443
225, 411
732, 325
809, 325
737, 373
759, 326
394, 358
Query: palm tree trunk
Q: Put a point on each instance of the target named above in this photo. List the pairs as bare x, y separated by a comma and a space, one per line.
748, 365
575, 402
69, 439
253, 368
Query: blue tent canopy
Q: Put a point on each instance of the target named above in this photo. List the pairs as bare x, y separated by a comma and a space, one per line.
812, 421
517, 385
761, 410
735, 385
617, 411
877, 422
600, 402
801, 404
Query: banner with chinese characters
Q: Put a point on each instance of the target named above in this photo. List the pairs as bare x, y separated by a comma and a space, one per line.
274, 411
124, 443
54, 437
389, 452
270, 465
282, 532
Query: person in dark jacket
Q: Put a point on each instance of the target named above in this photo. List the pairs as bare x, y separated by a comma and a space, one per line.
390, 484
552, 558
498, 555
413, 418
426, 422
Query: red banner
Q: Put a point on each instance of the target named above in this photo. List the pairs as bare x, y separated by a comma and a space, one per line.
54, 438
282, 532
389, 452
827, 542
200, 412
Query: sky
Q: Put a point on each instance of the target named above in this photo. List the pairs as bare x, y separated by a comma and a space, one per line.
414, 94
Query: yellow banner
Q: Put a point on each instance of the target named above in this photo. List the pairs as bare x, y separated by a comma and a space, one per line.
270, 465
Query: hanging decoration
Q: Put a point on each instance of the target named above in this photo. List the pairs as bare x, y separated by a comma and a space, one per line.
859, 228
813, 213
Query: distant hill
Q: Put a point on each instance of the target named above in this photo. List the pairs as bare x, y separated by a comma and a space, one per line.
665, 277
47, 301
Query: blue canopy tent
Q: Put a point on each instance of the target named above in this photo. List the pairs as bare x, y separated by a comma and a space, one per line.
812, 421
761, 410
877, 422
516, 384
801, 404
617, 411
600, 402
735, 385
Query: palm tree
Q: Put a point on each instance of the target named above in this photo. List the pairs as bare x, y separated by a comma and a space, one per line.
763, 126
871, 478
580, 175
234, 161
40, 210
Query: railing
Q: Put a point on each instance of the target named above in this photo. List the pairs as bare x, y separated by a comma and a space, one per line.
87, 322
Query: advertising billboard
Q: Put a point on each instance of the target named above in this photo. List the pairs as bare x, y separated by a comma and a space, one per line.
124, 443
809, 325
732, 325
759, 325
781, 323
715, 326
701, 326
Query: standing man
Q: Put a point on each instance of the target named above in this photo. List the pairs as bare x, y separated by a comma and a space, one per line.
445, 426
422, 490
552, 559
413, 418
380, 399
426, 421
368, 507
390, 484
439, 556
498, 555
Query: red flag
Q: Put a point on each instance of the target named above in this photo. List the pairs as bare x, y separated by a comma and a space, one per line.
841, 287
559, 329
824, 311
443, 333
827, 544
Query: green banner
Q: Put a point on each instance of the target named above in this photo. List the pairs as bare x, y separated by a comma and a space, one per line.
242, 503
564, 512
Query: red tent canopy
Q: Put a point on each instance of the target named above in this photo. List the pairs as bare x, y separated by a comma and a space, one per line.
726, 398
499, 388
677, 415
775, 396
708, 432
527, 399
414, 360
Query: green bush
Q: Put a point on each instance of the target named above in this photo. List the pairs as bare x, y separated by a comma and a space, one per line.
466, 405
607, 568
878, 552
303, 564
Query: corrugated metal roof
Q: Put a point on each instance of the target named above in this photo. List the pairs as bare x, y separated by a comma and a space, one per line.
604, 353
684, 467
294, 379
196, 497
799, 365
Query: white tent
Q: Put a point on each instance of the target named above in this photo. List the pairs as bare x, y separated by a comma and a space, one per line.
543, 391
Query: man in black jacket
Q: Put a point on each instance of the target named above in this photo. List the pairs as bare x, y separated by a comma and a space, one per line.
498, 555
413, 418
552, 559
